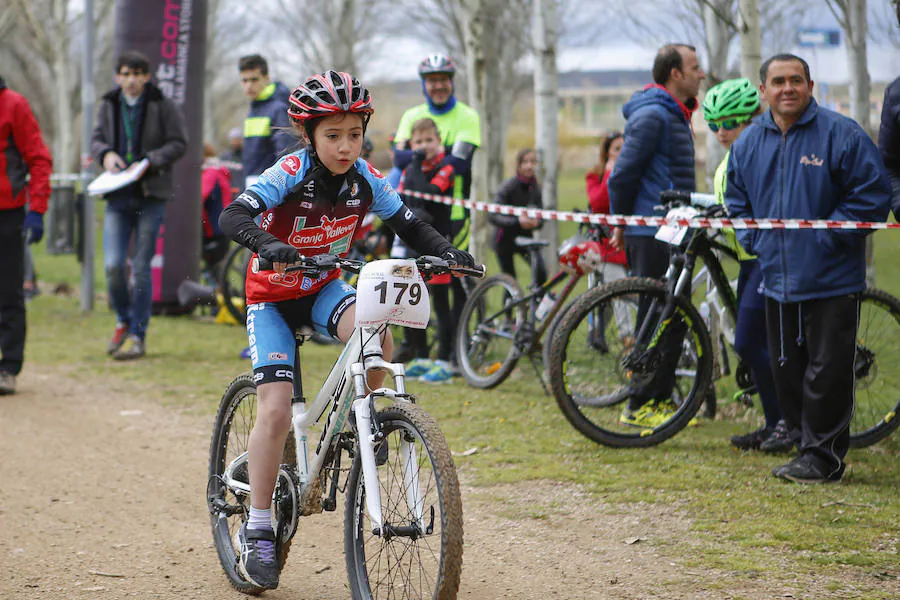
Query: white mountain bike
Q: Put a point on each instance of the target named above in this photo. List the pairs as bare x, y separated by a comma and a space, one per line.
403, 516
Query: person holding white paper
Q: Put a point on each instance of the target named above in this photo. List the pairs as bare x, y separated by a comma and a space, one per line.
135, 122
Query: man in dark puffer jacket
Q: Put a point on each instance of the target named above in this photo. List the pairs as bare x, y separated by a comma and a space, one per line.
658, 154
889, 136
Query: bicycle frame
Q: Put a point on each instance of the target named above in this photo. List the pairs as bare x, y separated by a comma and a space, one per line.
360, 401
532, 300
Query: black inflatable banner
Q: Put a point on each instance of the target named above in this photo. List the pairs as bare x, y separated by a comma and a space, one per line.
172, 34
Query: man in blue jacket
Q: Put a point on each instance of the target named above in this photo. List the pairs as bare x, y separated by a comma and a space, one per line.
658, 154
801, 161
889, 135
267, 130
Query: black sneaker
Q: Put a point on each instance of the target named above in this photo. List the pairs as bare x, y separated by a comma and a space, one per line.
752, 440
258, 562
779, 441
806, 469
7, 383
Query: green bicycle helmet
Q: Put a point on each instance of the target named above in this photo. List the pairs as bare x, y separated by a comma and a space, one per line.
731, 98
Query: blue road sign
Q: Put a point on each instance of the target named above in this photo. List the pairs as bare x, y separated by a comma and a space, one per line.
811, 38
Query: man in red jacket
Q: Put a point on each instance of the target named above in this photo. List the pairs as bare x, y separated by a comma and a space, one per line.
22, 151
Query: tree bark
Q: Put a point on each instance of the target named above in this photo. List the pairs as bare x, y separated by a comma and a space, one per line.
473, 29
717, 39
751, 40
546, 103
857, 32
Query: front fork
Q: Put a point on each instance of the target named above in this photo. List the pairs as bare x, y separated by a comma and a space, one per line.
369, 435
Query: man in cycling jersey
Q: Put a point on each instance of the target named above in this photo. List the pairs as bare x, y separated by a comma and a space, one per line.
460, 129
801, 161
311, 202
728, 109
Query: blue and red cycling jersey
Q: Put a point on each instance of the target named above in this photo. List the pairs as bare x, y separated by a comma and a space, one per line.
300, 214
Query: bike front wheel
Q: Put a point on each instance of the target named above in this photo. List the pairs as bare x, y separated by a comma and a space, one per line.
486, 344
421, 557
877, 369
605, 366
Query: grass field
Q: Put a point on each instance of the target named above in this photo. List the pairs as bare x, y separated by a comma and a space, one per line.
744, 521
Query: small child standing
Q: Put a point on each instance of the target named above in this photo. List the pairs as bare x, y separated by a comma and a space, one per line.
431, 172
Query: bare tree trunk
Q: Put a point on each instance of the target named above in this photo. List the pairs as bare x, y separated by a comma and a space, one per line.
717, 38
63, 143
473, 28
343, 30
751, 39
857, 33
851, 14
546, 104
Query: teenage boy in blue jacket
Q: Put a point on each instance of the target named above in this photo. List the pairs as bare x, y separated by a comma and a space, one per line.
801, 161
267, 127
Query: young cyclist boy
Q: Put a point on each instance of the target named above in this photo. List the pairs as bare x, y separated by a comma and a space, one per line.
728, 109
429, 171
311, 202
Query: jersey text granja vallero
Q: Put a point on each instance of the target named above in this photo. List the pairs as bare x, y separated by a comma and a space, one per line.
300, 214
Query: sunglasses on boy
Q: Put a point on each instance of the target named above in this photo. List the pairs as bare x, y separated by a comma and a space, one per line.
728, 124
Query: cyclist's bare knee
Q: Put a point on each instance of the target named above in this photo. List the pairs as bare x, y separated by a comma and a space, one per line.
274, 407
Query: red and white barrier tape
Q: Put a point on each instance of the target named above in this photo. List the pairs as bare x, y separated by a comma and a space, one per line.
641, 221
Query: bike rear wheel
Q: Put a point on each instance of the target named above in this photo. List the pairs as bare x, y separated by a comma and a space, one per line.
488, 326
877, 369
228, 507
424, 564
588, 365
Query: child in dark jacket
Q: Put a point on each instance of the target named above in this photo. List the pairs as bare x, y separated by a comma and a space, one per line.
520, 190
429, 172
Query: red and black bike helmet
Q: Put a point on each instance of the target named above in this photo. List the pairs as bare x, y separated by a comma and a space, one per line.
329, 93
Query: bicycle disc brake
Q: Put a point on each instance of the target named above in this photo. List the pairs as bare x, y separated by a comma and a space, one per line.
864, 365
642, 364
743, 377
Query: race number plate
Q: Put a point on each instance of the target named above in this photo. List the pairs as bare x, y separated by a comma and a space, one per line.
674, 235
392, 291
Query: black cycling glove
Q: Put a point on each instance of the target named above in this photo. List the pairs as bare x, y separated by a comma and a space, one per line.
460, 257
277, 251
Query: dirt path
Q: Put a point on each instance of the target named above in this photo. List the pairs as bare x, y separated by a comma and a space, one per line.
103, 497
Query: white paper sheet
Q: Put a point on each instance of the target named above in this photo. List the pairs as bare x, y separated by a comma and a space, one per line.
109, 182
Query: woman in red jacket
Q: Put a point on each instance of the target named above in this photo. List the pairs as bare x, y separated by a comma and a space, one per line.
615, 266
598, 198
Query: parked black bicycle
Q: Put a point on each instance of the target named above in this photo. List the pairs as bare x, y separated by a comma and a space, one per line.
591, 387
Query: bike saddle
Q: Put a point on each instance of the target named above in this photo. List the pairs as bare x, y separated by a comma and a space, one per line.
527, 242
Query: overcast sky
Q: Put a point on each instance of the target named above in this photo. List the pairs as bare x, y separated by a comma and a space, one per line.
603, 47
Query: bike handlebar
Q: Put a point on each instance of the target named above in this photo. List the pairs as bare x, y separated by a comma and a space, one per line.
670, 198
427, 265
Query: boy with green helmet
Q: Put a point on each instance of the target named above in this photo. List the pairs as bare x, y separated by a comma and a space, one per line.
728, 109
